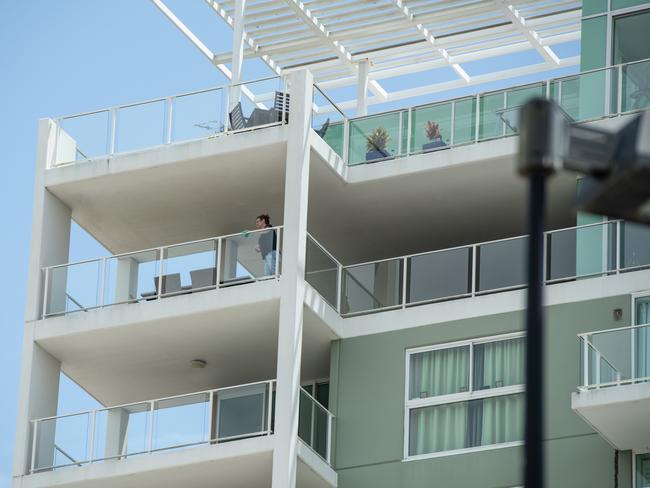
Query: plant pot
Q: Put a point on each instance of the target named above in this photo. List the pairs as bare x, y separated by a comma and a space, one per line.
378, 154
433, 145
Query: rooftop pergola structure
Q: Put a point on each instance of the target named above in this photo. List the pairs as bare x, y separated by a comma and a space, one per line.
362, 43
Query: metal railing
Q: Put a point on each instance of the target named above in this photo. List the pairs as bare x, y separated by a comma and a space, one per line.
315, 425
573, 253
614, 357
584, 96
114, 433
202, 418
162, 272
168, 120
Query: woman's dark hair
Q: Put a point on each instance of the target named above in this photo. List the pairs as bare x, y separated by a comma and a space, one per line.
266, 218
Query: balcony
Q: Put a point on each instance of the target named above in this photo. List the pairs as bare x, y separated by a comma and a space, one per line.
207, 113
614, 392
155, 274
231, 422
473, 270
586, 96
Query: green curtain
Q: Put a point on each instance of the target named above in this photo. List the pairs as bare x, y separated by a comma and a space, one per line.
498, 364
642, 338
503, 419
439, 372
438, 428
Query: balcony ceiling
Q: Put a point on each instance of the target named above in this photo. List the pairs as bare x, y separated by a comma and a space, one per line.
399, 37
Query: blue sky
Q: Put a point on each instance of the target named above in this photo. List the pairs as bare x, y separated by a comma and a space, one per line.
72, 56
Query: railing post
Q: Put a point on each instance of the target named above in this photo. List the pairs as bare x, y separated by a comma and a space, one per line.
400, 132
210, 416
548, 89
169, 113
46, 285
474, 271
619, 97
452, 130
409, 129
329, 438
585, 361
478, 115
404, 280
339, 286
112, 134
545, 237
151, 424
218, 263
102, 283
313, 421
161, 257
619, 250
504, 128
269, 418
34, 433
346, 141
278, 252
598, 358
91, 442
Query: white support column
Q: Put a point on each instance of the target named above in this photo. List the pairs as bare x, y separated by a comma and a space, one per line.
362, 87
237, 51
39, 381
292, 282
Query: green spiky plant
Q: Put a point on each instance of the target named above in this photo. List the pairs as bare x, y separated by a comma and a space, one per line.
377, 140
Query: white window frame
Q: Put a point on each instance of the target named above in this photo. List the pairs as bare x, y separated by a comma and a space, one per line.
635, 453
455, 397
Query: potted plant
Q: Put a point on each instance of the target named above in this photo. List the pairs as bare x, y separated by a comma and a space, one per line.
432, 131
376, 144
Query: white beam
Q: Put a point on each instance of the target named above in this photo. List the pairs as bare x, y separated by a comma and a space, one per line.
520, 24
238, 41
362, 87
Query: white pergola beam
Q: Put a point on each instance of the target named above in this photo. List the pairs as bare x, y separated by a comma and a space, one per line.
520, 24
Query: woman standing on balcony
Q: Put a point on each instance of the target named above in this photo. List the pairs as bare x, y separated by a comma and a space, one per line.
267, 244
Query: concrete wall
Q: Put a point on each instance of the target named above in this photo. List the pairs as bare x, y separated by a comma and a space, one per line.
367, 397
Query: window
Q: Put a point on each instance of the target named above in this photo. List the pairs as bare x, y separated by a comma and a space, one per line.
642, 470
465, 395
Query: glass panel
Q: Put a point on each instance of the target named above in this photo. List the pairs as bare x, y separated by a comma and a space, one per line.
430, 127
83, 137
581, 251
270, 105
371, 286
328, 122
439, 275
133, 277
122, 431
181, 421
611, 359
312, 424
466, 424
375, 138
502, 264
490, 123
498, 364
584, 96
642, 463
140, 126
197, 115
636, 86
464, 121
515, 98
249, 255
439, 372
194, 264
631, 37
241, 411
62, 441
635, 245
321, 272
73, 287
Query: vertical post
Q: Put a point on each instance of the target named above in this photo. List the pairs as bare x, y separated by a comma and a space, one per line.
218, 263
113, 128
329, 438
544, 257
210, 416
292, 285
619, 98
102, 283
278, 246
339, 287
161, 264
34, 434
269, 415
400, 132
404, 280
504, 128
409, 129
585, 361
313, 420
452, 129
237, 52
362, 87
91, 442
45, 292
152, 411
474, 270
478, 115
618, 249
169, 114
547, 90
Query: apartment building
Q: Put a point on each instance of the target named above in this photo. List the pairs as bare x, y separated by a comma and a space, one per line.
371, 334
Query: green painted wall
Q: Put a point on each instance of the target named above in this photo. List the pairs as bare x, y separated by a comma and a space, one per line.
367, 397
593, 47
617, 4
591, 7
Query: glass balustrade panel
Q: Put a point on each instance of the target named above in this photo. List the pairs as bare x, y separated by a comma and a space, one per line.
515, 99
121, 432
241, 412
439, 275
189, 268
250, 256
635, 245
73, 287
464, 121
430, 127
328, 121
373, 286
376, 137
256, 103
181, 422
502, 264
197, 115
62, 441
132, 277
636, 86
491, 125
83, 137
140, 126
321, 272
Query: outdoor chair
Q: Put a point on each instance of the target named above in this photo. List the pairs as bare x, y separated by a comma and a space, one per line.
237, 119
321, 132
281, 105
203, 278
